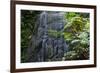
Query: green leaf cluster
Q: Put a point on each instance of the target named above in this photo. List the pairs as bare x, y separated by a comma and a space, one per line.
76, 33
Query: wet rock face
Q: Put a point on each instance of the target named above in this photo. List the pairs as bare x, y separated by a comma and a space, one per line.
43, 46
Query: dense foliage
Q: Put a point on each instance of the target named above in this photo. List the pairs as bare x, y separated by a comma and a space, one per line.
76, 33
28, 28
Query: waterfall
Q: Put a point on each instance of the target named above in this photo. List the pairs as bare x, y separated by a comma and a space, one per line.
43, 46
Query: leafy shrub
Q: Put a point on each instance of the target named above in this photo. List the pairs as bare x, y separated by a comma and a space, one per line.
76, 31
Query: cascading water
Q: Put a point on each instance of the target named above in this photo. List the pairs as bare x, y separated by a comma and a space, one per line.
44, 46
